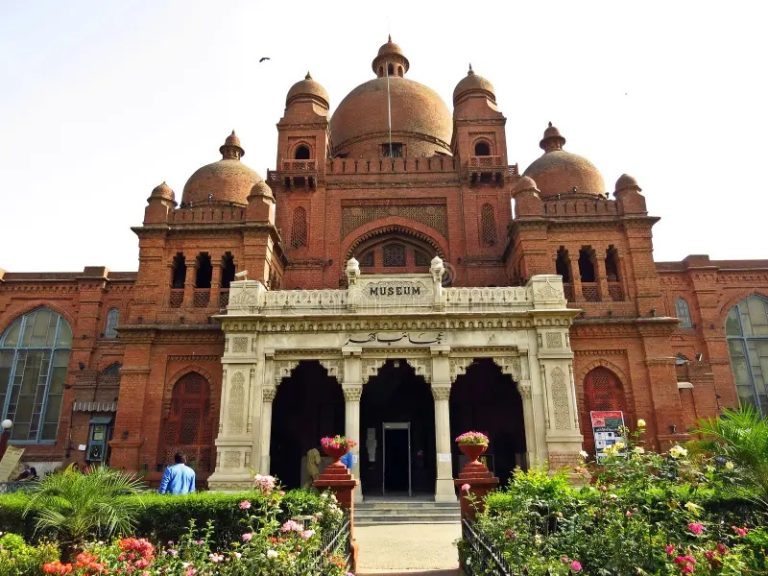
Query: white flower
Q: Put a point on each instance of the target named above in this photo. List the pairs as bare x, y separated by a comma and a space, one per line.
678, 451
638, 450
640, 423
272, 554
729, 465
583, 454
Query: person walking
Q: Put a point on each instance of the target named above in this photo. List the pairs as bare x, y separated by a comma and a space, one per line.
178, 478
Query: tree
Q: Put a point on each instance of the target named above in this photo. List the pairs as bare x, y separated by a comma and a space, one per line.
76, 506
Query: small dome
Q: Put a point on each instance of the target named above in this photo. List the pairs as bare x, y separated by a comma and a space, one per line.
388, 59
164, 192
307, 88
473, 83
227, 181
560, 172
626, 181
524, 184
261, 189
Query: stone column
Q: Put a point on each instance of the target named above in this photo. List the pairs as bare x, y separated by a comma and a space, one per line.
215, 285
529, 421
352, 430
444, 489
267, 397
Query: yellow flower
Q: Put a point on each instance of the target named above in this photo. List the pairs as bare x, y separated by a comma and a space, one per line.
640, 423
638, 450
729, 465
678, 451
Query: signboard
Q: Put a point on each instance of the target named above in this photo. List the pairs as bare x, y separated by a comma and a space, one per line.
607, 427
9, 462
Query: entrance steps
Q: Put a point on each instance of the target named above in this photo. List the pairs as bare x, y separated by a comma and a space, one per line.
377, 511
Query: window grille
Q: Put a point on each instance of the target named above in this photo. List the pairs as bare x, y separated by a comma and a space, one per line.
394, 255
299, 228
488, 225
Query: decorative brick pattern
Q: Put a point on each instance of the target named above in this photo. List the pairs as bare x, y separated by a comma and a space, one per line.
433, 215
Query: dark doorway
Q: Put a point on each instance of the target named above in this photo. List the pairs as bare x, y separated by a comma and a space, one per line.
308, 406
396, 395
486, 400
397, 458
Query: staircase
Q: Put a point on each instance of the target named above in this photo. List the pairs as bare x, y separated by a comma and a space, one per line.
377, 511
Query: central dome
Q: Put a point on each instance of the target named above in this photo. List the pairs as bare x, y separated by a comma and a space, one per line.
420, 120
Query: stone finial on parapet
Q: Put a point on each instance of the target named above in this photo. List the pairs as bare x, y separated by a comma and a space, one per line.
437, 269
547, 291
352, 271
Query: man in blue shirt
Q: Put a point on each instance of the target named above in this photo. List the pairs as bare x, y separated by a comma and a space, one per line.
178, 478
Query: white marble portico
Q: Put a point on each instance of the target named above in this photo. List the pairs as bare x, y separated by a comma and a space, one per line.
352, 332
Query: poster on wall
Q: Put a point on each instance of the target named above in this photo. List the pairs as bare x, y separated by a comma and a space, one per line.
607, 428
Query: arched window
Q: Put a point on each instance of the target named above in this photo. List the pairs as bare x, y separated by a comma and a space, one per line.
204, 271
113, 317
34, 355
394, 255
299, 228
746, 330
482, 148
563, 264
683, 313
603, 391
301, 152
178, 271
587, 264
488, 225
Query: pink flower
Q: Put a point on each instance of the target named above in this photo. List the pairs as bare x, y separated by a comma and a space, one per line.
247, 536
307, 534
669, 549
215, 558
696, 528
575, 566
291, 526
465, 487
245, 505
740, 532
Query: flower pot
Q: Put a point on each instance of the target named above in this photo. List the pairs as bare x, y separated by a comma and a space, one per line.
473, 451
335, 452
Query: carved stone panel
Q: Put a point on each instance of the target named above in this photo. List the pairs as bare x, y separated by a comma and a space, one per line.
559, 390
236, 404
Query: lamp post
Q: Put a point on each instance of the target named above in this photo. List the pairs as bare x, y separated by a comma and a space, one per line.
5, 435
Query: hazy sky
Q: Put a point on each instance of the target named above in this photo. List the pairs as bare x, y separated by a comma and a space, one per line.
101, 101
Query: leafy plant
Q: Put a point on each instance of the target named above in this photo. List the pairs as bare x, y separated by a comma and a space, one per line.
741, 436
75, 506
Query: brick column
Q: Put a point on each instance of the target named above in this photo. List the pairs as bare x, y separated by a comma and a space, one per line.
474, 482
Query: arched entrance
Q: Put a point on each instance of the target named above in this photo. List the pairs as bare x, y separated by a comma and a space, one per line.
189, 424
486, 400
307, 406
397, 433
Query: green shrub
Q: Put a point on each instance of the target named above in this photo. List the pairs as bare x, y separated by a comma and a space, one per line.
20, 559
12, 515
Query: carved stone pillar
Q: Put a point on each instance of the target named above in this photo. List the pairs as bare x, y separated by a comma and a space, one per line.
352, 429
529, 420
444, 489
267, 397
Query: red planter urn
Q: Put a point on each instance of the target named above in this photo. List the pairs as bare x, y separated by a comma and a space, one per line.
473, 451
335, 452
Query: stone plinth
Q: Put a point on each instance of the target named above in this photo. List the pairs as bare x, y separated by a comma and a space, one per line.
480, 481
337, 478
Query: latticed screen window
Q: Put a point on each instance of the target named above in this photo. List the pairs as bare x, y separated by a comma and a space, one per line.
189, 425
394, 255
299, 228
421, 258
34, 354
683, 313
603, 391
368, 260
747, 332
488, 225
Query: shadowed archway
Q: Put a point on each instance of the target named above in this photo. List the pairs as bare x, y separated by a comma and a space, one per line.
307, 406
486, 400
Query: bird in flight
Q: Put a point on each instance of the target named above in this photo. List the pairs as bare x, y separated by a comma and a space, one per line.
263, 58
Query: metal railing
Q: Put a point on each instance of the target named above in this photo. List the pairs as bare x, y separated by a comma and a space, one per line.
337, 543
483, 560
8, 487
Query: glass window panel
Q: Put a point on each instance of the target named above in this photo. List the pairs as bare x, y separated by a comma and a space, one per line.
49, 431
65, 335
683, 313
20, 430
113, 316
11, 337
732, 324
38, 329
758, 315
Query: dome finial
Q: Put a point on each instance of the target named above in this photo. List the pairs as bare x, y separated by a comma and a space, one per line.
231, 149
389, 38
470, 72
308, 76
552, 140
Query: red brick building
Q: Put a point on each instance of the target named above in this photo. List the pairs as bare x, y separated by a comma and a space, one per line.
126, 367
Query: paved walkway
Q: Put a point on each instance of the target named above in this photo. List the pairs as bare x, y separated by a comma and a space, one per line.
412, 549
